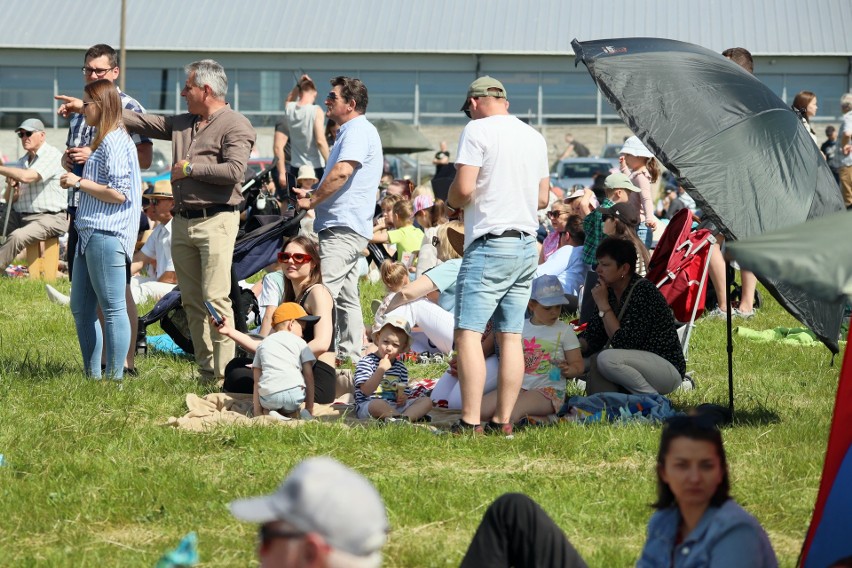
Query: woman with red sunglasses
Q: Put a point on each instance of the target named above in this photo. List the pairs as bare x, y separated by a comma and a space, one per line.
299, 280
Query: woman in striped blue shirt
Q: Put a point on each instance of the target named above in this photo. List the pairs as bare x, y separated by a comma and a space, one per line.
107, 221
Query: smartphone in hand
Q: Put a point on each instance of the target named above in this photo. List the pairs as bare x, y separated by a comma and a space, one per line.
213, 313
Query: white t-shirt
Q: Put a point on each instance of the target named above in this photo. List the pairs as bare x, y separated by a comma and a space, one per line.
280, 356
543, 344
512, 157
159, 247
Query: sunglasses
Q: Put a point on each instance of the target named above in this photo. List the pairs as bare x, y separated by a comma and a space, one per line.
296, 257
24, 134
266, 534
332, 96
556, 214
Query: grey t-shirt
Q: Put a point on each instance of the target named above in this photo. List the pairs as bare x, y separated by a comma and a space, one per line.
281, 356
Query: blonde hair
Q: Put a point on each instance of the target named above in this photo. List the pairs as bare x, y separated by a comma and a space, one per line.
388, 201
423, 189
394, 275
105, 95
403, 211
445, 249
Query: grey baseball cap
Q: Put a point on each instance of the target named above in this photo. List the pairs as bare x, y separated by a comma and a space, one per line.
323, 496
547, 291
31, 125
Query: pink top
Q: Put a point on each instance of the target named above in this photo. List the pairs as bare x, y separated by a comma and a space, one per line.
550, 244
642, 200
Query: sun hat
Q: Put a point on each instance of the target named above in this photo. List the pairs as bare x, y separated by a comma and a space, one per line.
323, 496
547, 291
306, 172
456, 238
396, 321
620, 181
161, 190
634, 147
291, 311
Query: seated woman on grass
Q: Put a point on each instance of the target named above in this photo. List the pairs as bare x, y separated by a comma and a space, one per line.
697, 523
632, 333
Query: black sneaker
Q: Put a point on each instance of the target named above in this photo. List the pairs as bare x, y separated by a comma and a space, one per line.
496, 428
462, 428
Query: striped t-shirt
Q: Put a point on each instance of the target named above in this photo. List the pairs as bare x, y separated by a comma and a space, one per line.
116, 165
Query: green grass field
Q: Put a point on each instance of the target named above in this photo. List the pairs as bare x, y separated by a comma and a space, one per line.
93, 477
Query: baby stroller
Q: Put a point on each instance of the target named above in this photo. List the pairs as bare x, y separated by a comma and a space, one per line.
679, 267
256, 248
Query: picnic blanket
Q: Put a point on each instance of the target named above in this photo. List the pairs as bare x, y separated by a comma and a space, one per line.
617, 407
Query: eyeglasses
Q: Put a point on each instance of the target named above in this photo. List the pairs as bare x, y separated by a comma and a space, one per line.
332, 96
556, 214
296, 257
435, 242
266, 534
24, 134
98, 72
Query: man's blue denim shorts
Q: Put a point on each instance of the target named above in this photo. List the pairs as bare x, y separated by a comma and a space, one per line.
494, 283
287, 400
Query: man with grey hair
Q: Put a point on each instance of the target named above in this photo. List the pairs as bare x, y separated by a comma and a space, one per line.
844, 149
211, 145
323, 515
34, 194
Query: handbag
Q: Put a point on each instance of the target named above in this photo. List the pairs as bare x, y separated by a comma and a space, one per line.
594, 376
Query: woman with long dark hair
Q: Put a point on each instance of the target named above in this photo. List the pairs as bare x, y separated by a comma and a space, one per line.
107, 222
300, 281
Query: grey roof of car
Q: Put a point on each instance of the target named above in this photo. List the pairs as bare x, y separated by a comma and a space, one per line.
765, 27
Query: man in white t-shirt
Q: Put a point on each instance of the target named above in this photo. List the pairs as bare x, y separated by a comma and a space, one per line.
501, 182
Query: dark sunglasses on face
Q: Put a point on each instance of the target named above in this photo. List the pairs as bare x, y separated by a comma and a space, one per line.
332, 96
266, 534
24, 134
296, 257
555, 214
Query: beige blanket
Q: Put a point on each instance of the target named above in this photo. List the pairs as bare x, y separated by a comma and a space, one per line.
219, 408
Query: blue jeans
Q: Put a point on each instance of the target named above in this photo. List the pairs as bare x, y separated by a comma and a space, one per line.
100, 278
287, 400
646, 235
494, 283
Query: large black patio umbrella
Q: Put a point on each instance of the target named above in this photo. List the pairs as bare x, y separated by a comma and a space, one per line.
738, 150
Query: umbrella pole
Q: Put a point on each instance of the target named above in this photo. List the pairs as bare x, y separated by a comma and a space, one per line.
730, 343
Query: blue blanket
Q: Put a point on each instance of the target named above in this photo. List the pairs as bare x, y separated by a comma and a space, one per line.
618, 407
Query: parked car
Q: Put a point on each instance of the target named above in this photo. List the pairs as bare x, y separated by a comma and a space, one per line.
611, 151
572, 171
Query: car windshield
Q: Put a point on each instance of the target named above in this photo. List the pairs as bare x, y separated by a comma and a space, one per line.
584, 169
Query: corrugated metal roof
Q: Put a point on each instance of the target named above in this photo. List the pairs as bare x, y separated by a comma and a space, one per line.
765, 27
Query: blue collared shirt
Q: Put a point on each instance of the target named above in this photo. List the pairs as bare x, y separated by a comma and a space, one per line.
725, 537
353, 204
116, 165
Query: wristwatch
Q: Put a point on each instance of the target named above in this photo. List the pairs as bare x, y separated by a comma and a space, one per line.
77, 185
187, 169
602, 313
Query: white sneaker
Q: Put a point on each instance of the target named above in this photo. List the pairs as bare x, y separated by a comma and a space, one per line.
278, 416
56, 296
688, 384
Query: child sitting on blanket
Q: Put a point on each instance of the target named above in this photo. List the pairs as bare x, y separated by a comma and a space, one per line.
381, 379
283, 365
551, 353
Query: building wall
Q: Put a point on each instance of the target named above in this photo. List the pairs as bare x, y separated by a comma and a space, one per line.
422, 89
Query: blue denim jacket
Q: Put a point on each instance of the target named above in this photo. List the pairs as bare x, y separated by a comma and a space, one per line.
726, 537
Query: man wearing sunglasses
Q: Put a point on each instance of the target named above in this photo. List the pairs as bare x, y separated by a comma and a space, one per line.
33, 192
502, 179
345, 202
323, 515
